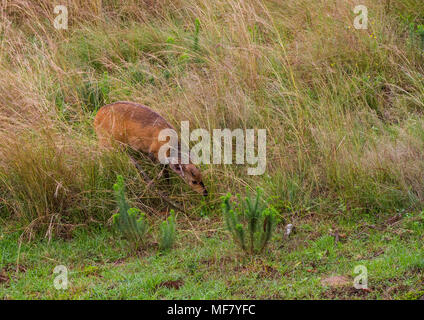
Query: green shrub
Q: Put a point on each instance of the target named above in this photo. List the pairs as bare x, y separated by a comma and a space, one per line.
250, 223
196, 34
168, 232
417, 34
130, 222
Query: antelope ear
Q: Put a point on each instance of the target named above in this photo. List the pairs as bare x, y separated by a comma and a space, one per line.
177, 168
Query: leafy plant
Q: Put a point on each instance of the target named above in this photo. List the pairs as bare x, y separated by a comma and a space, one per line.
420, 32
206, 209
417, 31
130, 222
250, 223
196, 34
168, 232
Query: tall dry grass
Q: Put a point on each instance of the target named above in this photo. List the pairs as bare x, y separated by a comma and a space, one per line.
342, 107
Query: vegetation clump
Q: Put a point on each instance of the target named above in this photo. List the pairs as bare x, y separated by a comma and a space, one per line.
168, 232
251, 223
132, 224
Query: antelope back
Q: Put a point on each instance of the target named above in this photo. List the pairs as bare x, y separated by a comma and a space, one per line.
132, 124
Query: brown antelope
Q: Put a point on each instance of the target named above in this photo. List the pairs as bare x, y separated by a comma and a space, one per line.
138, 126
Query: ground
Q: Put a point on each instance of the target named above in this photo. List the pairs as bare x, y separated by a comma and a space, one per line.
207, 265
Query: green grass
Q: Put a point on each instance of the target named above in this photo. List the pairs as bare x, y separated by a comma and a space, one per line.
100, 266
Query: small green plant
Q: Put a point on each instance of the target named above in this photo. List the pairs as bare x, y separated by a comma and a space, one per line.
206, 209
420, 32
130, 222
104, 85
417, 32
250, 223
196, 34
167, 232
133, 226
91, 270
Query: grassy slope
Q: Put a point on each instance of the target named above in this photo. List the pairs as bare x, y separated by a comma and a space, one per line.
342, 109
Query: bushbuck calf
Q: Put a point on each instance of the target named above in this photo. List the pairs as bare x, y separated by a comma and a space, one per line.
138, 126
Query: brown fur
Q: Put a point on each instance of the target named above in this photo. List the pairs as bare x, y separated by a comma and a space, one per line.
138, 126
